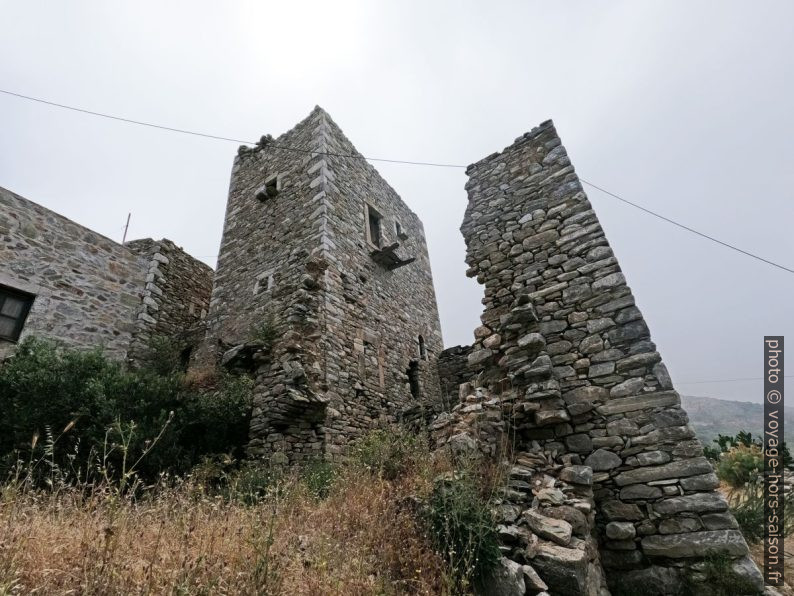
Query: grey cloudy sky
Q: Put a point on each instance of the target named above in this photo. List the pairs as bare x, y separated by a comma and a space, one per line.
684, 107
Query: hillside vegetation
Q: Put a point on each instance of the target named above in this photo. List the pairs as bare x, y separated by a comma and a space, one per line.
129, 482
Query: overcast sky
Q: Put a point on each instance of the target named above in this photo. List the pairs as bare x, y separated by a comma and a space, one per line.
684, 107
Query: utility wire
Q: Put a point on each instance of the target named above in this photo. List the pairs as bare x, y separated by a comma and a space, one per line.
726, 380
687, 228
379, 159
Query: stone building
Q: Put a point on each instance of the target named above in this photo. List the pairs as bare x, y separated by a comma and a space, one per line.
323, 293
323, 289
59, 280
608, 479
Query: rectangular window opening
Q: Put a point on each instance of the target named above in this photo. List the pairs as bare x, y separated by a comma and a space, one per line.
373, 226
14, 308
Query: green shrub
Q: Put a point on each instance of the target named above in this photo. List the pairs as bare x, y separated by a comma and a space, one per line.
747, 505
46, 387
163, 355
265, 332
740, 464
462, 528
251, 482
319, 476
387, 453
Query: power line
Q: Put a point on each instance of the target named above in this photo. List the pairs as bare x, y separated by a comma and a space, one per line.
380, 159
727, 380
222, 138
687, 228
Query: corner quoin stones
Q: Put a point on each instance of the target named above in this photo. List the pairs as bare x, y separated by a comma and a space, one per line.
318, 246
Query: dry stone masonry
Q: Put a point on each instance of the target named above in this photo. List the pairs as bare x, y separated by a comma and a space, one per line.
87, 291
324, 290
565, 362
323, 294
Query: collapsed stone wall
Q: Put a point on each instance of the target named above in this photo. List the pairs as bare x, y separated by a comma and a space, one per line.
175, 296
453, 371
345, 355
565, 350
86, 288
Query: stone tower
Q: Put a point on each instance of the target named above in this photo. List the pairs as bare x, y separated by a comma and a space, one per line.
323, 288
604, 451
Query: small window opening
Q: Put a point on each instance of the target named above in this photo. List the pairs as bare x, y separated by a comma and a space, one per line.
373, 226
184, 358
270, 188
14, 308
413, 379
422, 349
265, 282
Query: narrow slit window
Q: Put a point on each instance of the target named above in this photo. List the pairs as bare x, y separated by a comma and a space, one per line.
422, 348
14, 308
374, 226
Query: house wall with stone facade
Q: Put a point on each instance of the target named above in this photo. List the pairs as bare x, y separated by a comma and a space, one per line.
564, 351
87, 288
175, 299
346, 328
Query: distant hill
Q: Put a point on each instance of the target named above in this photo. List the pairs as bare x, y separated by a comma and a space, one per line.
710, 416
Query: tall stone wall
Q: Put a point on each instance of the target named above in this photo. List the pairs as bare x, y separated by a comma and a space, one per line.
295, 254
87, 288
563, 344
175, 297
375, 315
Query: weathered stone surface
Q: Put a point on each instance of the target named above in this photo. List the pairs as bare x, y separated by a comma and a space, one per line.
683, 467
506, 579
719, 521
653, 458
696, 503
532, 580
702, 482
639, 402
602, 459
564, 569
620, 530
577, 475
579, 443
679, 525
651, 581
618, 511
640, 491
695, 544
556, 530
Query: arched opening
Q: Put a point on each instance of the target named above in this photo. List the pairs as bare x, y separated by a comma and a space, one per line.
422, 349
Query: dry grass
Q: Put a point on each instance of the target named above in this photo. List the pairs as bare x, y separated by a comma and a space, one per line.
362, 539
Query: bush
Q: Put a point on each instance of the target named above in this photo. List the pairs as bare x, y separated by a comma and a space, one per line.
387, 453
740, 464
747, 505
111, 415
463, 530
319, 476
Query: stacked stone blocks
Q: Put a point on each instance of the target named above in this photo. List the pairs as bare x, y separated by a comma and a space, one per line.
566, 351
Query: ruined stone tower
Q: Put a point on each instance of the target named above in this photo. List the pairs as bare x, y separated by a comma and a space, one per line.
323, 288
608, 479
